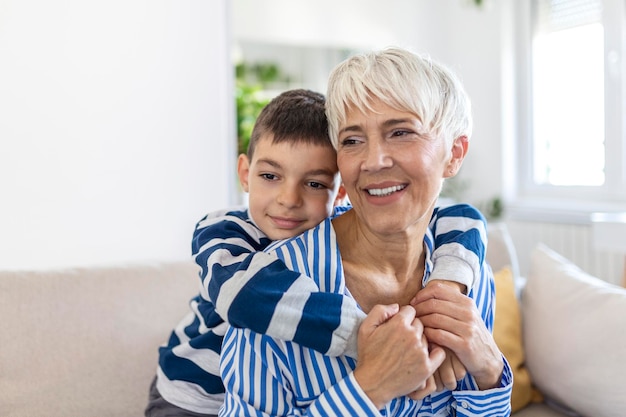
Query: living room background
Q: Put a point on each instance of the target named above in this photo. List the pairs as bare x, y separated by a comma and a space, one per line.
118, 128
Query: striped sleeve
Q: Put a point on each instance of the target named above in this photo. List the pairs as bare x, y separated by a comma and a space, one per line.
495, 402
460, 244
236, 273
470, 400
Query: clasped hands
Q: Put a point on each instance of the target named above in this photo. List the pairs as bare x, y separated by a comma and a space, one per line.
418, 349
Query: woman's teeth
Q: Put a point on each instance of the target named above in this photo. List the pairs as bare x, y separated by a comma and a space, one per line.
385, 191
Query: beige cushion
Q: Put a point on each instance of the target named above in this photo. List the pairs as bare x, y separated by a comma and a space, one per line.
84, 342
574, 335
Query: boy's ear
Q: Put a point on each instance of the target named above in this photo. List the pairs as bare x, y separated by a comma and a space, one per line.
458, 152
243, 170
341, 195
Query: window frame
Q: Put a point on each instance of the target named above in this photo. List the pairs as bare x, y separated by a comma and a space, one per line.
531, 197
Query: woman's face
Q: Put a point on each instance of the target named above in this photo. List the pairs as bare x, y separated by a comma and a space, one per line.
392, 168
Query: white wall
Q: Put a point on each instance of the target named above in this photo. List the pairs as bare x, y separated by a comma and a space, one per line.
469, 40
348, 23
116, 117
116, 128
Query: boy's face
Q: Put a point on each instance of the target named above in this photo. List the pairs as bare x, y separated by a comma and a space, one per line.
291, 186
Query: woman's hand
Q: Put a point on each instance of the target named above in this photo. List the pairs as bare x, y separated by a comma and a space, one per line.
451, 320
393, 355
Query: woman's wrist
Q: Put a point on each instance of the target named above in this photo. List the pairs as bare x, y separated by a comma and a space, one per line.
371, 388
491, 378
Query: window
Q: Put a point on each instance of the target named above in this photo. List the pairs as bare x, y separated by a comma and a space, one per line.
574, 148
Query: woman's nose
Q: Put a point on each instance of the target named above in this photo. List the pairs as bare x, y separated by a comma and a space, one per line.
377, 156
289, 196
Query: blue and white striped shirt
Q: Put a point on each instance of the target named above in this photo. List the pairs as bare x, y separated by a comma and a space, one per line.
253, 289
265, 376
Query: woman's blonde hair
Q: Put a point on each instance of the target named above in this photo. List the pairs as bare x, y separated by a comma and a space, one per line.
405, 81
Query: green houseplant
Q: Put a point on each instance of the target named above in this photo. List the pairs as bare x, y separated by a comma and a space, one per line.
249, 105
250, 83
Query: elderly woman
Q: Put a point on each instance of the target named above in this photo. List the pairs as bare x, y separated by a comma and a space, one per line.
401, 125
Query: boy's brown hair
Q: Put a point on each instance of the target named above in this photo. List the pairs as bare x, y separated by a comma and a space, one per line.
296, 116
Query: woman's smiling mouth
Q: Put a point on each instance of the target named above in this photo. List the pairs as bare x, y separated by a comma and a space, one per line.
382, 192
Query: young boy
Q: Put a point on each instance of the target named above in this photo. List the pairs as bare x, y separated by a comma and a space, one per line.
290, 173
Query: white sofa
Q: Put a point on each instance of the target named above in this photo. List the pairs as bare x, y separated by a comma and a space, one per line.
83, 342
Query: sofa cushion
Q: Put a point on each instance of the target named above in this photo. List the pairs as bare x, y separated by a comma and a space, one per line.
84, 342
507, 332
574, 335
541, 410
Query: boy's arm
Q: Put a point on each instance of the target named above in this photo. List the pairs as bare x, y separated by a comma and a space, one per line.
460, 244
255, 290
458, 253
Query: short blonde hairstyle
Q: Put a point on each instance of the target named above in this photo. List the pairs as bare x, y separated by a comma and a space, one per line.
405, 81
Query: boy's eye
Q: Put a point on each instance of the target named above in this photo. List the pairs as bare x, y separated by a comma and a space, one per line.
269, 177
348, 141
318, 185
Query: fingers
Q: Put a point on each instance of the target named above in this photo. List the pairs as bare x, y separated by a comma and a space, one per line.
421, 366
406, 316
394, 358
377, 316
437, 356
449, 372
438, 380
443, 307
446, 373
382, 313
475, 350
428, 387
439, 291
452, 320
407, 313
459, 370
436, 292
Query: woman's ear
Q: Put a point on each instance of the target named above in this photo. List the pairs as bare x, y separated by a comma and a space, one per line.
243, 170
458, 152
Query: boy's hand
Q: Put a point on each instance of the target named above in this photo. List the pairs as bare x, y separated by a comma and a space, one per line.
449, 372
462, 288
446, 376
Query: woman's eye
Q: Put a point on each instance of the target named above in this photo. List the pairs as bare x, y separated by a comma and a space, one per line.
401, 133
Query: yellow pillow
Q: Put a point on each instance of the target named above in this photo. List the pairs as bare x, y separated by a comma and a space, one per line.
507, 331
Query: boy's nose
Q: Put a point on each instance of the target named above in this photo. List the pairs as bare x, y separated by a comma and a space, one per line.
289, 196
